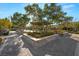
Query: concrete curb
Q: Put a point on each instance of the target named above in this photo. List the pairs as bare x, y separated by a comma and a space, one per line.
38, 42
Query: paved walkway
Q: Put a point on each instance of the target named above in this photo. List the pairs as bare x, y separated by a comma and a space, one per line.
76, 37
77, 50
13, 46
61, 46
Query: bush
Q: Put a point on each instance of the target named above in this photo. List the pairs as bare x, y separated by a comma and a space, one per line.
40, 34
77, 32
60, 32
1, 40
5, 24
4, 32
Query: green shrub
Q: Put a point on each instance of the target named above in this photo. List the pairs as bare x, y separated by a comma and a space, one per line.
61, 32
40, 34
1, 27
77, 32
1, 40
5, 23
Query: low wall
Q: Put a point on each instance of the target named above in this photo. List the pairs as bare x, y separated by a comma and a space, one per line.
38, 42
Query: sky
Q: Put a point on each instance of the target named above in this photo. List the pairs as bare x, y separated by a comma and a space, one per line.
8, 9
72, 9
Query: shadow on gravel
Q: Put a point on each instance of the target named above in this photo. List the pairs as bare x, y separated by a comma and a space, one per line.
62, 46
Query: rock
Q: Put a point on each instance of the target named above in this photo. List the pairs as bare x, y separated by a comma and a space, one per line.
24, 52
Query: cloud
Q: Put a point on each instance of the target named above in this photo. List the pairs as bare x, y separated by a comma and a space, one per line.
68, 7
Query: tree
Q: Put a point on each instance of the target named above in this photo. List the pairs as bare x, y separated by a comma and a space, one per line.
67, 22
19, 21
76, 26
35, 11
53, 13
41, 18
23, 21
36, 14
16, 16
